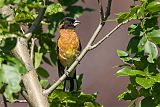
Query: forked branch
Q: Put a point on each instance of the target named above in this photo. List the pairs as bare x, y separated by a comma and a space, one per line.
89, 46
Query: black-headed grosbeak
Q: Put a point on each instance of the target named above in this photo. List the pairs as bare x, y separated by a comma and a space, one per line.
68, 49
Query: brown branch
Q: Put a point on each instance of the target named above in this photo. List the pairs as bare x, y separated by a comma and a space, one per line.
21, 101
107, 13
30, 79
32, 48
37, 20
25, 95
4, 101
108, 35
101, 10
17, 101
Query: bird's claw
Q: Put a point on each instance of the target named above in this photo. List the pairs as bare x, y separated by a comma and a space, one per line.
77, 59
66, 72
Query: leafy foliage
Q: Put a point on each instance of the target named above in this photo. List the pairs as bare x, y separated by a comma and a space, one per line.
10, 73
141, 61
79, 99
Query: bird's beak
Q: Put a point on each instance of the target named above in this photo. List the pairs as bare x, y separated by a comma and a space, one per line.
76, 23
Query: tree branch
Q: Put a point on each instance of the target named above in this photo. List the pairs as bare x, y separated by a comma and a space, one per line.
85, 50
37, 21
108, 35
30, 79
4, 101
32, 48
108, 9
25, 95
17, 101
101, 10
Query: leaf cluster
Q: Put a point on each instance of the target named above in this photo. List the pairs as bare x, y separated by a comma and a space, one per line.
141, 60
59, 98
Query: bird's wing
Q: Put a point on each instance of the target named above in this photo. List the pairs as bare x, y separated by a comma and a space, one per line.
60, 67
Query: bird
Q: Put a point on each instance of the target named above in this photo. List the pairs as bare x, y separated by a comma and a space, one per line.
68, 48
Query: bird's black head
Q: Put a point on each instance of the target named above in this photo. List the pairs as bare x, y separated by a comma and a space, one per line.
68, 23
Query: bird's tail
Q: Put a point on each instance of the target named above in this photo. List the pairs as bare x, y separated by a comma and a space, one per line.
70, 83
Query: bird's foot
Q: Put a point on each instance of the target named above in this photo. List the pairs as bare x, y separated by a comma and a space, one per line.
77, 59
66, 72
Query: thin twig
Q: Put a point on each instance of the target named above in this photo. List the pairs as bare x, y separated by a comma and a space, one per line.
22, 30
107, 13
17, 101
4, 101
37, 20
21, 101
32, 48
85, 50
101, 10
25, 95
108, 35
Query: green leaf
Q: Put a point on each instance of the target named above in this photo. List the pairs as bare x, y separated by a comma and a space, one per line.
23, 14
89, 104
147, 102
155, 93
131, 93
129, 72
11, 76
1, 3
15, 28
156, 78
123, 16
150, 24
133, 45
151, 50
145, 82
126, 96
54, 8
42, 72
144, 92
141, 44
123, 55
153, 6
154, 36
135, 29
53, 54
140, 11
54, 22
133, 10
43, 83
73, 99
8, 44
38, 59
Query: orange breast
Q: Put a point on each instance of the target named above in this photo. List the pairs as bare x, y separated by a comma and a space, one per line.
69, 46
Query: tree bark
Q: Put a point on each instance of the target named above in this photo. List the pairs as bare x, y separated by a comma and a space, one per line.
30, 79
